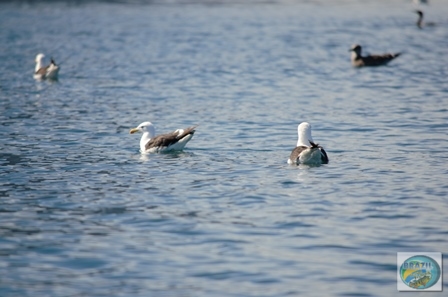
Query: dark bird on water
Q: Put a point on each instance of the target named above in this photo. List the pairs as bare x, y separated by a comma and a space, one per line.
420, 22
371, 60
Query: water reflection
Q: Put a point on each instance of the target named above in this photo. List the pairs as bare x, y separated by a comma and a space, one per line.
11, 159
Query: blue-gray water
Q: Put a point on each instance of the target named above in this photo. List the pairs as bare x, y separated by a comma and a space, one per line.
84, 214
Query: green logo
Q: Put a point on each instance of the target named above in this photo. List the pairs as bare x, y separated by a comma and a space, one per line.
420, 272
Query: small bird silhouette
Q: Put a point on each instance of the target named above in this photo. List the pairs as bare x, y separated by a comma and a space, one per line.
420, 22
371, 60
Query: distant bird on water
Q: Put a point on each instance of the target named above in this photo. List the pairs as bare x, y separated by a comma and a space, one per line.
45, 72
372, 60
307, 151
174, 141
421, 2
420, 22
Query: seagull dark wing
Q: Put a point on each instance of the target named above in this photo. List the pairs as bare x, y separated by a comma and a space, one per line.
295, 154
165, 140
376, 60
42, 71
324, 155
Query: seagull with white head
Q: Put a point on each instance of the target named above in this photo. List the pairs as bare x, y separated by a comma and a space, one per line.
42, 72
169, 142
307, 152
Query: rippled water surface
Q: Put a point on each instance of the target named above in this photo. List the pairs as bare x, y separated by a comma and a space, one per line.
84, 214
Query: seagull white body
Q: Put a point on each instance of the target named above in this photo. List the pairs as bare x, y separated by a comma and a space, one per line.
42, 72
306, 151
174, 141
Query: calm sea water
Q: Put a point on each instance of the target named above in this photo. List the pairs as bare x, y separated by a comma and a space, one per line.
84, 214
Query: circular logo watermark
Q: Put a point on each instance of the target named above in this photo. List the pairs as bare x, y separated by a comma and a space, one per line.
420, 272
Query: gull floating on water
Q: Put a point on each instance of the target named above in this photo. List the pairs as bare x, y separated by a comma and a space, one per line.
45, 72
174, 141
372, 60
307, 151
420, 22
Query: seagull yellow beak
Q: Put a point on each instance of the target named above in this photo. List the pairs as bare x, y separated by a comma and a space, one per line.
132, 131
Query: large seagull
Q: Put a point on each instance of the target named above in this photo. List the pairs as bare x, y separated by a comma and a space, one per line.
174, 141
45, 72
307, 151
